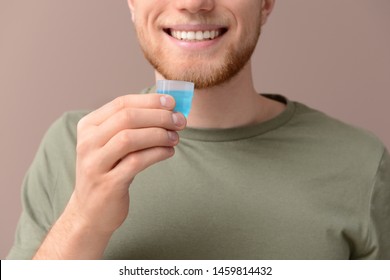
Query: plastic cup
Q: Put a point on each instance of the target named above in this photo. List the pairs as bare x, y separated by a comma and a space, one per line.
181, 91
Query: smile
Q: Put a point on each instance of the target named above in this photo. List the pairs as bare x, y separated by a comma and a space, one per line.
196, 35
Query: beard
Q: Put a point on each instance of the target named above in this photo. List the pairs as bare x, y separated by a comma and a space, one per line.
201, 68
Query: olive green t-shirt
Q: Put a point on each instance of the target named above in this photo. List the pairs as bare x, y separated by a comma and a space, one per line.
300, 186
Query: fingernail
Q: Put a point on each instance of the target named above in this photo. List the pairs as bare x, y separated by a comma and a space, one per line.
178, 119
166, 101
172, 136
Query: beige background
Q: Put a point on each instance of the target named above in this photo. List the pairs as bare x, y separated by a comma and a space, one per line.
58, 55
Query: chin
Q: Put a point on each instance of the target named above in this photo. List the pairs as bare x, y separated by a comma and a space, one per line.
203, 77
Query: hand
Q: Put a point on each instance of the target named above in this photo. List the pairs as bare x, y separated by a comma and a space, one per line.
114, 144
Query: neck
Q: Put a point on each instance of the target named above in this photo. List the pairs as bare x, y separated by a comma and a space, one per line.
232, 104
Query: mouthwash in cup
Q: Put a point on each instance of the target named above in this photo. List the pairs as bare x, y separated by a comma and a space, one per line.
181, 91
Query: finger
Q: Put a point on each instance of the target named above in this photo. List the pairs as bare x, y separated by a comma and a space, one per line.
133, 140
150, 101
134, 163
139, 118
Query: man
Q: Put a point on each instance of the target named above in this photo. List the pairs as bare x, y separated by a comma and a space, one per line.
247, 176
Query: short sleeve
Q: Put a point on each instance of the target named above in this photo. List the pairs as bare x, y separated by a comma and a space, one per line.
39, 187
380, 212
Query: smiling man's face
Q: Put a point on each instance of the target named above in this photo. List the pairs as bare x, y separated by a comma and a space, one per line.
203, 41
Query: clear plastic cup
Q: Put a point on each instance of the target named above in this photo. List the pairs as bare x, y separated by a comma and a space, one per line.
181, 91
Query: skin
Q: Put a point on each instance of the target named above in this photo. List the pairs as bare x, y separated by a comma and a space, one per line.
133, 132
239, 39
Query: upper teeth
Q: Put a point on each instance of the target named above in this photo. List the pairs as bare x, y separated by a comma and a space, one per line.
195, 35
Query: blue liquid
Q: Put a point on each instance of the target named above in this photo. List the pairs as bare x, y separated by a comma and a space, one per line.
183, 100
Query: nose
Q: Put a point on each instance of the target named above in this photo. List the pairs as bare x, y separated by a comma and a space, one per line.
195, 6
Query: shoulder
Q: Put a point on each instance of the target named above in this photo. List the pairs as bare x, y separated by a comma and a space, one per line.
60, 139
65, 125
58, 143
335, 143
68, 120
317, 124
